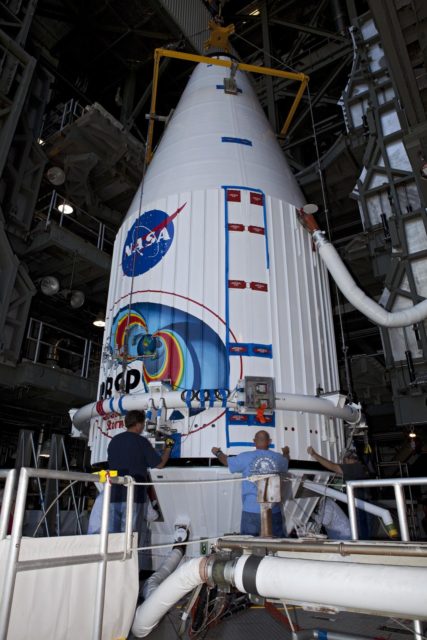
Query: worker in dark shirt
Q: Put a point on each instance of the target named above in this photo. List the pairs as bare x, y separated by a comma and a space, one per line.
350, 469
131, 454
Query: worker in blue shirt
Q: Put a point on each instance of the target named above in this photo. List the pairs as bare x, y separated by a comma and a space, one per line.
251, 463
131, 454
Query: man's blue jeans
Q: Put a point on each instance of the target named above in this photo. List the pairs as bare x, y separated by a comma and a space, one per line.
250, 524
117, 523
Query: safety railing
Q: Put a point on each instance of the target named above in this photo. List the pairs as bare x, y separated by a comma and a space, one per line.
57, 348
387, 470
53, 207
15, 565
398, 485
59, 117
6, 505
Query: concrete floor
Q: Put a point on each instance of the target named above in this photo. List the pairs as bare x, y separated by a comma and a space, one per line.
257, 623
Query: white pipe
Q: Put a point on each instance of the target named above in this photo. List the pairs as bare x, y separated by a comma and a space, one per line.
374, 509
358, 298
173, 400
387, 590
325, 634
175, 587
167, 567
314, 404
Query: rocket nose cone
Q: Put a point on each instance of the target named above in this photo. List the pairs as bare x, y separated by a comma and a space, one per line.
216, 138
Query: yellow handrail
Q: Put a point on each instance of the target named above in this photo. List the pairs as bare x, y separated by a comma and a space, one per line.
250, 68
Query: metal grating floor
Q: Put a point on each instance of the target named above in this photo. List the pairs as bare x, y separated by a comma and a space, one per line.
257, 624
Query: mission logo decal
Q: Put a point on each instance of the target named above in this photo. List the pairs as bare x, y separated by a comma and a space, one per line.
162, 343
147, 241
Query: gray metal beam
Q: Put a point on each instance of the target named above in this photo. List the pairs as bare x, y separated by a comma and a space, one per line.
393, 43
303, 36
13, 113
321, 92
48, 379
71, 243
308, 29
190, 19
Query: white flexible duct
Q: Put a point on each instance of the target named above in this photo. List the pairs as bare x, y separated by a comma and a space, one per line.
374, 509
358, 298
388, 590
168, 566
173, 400
175, 587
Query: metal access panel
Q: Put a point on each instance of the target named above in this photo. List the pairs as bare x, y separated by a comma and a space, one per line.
259, 391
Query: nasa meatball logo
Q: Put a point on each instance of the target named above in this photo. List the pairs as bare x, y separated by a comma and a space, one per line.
148, 240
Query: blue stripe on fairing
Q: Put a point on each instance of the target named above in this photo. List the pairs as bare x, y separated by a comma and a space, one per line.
227, 310
243, 141
221, 86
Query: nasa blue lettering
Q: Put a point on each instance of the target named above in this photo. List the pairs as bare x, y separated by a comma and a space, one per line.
147, 241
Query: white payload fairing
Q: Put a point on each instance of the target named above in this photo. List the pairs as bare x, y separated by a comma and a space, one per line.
213, 279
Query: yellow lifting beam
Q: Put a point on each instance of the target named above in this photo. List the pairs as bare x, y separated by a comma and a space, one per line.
228, 64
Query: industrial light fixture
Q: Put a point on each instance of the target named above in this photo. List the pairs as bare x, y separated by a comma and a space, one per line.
56, 176
49, 285
65, 208
45, 450
412, 433
255, 12
99, 320
77, 299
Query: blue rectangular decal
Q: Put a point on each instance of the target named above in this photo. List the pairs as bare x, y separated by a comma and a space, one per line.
239, 349
244, 141
262, 350
249, 349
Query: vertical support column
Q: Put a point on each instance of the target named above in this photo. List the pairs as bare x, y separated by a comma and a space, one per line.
6, 506
53, 518
271, 107
130, 498
399, 493
102, 567
15, 546
352, 512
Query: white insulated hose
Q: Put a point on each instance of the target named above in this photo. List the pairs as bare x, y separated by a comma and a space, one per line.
358, 298
388, 590
168, 593
168, 567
